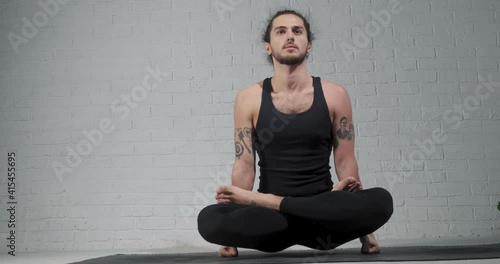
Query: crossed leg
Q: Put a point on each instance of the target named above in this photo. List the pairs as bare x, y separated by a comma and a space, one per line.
338, 217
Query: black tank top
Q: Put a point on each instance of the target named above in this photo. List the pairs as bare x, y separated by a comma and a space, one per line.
294, 149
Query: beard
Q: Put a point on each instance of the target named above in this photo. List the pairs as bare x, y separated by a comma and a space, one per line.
290, 60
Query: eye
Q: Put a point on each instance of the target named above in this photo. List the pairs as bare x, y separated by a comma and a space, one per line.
281, 31
298, 31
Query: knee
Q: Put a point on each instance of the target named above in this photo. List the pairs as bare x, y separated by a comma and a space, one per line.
206, 226
384, 202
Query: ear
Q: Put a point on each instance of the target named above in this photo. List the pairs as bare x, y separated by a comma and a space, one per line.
267, 47
309, 48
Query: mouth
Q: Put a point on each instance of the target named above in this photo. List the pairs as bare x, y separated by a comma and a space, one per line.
291, 47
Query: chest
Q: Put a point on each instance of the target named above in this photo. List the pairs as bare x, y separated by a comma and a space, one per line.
293, 103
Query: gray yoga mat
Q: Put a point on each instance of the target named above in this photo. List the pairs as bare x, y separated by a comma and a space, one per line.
419, 253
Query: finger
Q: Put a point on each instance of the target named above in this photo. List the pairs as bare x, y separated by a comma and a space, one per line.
223, 201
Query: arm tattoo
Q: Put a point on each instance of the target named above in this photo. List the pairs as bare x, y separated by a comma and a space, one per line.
244, 138
343, 132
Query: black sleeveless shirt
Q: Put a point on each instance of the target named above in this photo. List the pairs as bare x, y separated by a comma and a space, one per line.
294, 149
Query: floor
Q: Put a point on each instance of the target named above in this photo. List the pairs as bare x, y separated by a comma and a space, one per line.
74, 256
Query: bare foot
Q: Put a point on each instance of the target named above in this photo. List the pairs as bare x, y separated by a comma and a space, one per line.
228, 252
369, 244
349, 184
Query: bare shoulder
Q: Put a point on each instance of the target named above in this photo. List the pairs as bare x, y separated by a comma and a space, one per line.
249, 96
247, 102
250, 92
333, 90
335, 94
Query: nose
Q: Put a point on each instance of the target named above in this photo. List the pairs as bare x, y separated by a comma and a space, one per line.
289, 36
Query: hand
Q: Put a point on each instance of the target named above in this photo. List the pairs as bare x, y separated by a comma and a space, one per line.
348, 184
228, 251
353, 187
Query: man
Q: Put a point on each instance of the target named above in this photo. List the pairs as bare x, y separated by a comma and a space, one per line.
290, 121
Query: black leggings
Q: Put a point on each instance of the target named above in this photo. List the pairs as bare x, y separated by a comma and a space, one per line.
323, 221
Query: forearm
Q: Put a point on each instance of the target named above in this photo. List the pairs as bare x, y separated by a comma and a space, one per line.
347, 167
243, 176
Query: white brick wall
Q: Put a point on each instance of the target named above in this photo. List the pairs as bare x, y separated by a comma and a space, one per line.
426, 131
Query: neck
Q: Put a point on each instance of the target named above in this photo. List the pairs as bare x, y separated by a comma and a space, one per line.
290, 78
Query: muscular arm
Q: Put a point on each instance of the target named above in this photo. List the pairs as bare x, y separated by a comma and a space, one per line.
344, 136
243, 174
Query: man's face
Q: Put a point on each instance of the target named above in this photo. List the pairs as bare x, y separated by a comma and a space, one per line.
343, 123
289, 44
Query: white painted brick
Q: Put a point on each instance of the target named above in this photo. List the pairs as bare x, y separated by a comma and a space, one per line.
492, 187
177, 134
493, 175
453, 76
112, 199
456, 213
132, 136
486, 40
369, 167
471, 229
154, 199
133, 161
411, 114
198, 74
181, 160
375, 129
445, 164
193, 122
426, 202
213, 160
377, 101
437, 64
156, 223
453, 175
192, 99
486, 213
154, 148
379, 153
131, 18
400, 88
474, 16
418, 100
195, 147
447, 29
463, 152
410, 215
455, 52
427, 229
156, 173
410, 190
446, 189
220, 109
478, 64
425, 177
375, 77
391, 65
421, 76
469, 200
376, 53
